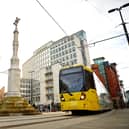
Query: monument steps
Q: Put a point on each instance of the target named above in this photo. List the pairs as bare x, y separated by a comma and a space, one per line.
14, 105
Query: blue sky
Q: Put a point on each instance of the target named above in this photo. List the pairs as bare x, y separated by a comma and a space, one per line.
37, 28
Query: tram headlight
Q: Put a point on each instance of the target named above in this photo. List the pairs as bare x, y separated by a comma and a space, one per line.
62, 98
83, 96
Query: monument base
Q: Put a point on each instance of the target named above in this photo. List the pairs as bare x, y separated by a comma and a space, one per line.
15, 105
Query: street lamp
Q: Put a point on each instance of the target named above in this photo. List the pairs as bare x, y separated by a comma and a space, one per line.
31, 87
123, 23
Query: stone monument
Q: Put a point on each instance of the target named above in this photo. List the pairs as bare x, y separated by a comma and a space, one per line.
14, 71
13, 103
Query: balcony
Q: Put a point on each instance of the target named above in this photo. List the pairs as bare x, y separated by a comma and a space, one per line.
48, 70
49, 94
49, 79
48, 73
49, 86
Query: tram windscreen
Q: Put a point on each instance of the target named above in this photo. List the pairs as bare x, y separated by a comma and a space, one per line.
71, 80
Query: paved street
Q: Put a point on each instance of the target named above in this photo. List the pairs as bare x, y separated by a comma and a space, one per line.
116, 119
119, 119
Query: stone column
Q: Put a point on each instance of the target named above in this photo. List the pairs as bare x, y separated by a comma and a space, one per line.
14, 71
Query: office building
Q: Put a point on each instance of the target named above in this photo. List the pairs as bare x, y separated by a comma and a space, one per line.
47, 60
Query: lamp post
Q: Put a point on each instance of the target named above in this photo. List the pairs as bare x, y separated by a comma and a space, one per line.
31, 87
123, 23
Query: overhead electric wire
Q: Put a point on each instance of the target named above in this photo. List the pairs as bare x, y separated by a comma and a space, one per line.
5, 72
52, 17
93, 43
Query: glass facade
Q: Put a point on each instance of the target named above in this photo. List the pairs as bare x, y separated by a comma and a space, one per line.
30, 90
101, 64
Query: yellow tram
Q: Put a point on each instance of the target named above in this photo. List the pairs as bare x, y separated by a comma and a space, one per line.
81, 90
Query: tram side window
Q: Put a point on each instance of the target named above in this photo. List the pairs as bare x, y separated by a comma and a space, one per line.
89, 80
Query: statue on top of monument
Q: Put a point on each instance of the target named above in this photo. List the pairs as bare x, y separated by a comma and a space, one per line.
16, 21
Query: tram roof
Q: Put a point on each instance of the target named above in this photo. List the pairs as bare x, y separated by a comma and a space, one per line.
77, 65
